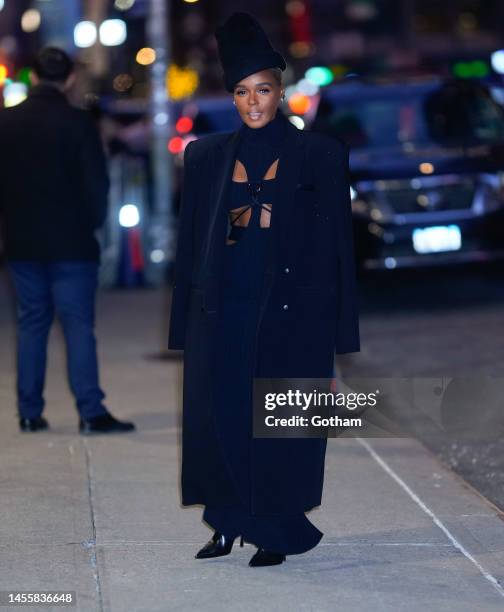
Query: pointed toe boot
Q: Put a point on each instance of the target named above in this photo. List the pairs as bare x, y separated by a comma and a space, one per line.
218, 546
265, 557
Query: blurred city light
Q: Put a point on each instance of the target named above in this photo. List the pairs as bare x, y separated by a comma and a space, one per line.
123, 5
307, 87
122, 82
190, 1
426, 168
24, 76
129, 215
30, 20
4, 73
299, 103
85, 34
184, 125
161, 118
113, 32
146, 56
175, 144
497, 60
320, 75
1, 4
297, 121
181, 82
467, 70
14, 93
157, 256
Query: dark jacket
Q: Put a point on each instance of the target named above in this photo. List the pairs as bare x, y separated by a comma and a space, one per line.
53, 179
309, 307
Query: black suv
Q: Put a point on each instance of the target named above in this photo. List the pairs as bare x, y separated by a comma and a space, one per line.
427, 169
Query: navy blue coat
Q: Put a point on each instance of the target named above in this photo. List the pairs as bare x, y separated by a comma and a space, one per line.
309, 308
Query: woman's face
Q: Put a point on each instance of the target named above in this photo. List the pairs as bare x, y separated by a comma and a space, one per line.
257, 98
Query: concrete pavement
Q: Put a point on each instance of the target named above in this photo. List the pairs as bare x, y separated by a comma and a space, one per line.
102, 516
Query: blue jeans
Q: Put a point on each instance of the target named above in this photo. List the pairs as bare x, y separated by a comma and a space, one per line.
67, 288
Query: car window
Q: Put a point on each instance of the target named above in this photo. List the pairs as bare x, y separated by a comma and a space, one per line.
447, 115
464, 113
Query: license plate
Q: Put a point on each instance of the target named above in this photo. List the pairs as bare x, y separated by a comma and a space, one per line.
437, 239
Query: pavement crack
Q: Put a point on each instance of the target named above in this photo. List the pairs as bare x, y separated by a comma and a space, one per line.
90, 544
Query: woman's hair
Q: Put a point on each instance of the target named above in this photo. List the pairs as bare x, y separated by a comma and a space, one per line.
277, 74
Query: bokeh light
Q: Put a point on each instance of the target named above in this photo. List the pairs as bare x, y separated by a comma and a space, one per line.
85, 34
297, 121
175, 144
426, 168
497, 60
123, 5
113, 32
181, 82
14, 93
4, 73
122, 82
30, 20
319, 75
184, 125
299, 103
129, 215
146, 56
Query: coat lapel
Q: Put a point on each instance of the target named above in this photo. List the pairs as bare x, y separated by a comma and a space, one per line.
287, 178
222, 171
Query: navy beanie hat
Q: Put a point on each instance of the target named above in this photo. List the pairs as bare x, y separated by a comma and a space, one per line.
244, 49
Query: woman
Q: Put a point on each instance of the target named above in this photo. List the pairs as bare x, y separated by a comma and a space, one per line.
264, 287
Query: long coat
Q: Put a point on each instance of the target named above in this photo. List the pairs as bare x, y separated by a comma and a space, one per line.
308, 309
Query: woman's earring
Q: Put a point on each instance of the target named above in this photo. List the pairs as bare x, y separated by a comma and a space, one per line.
234, 102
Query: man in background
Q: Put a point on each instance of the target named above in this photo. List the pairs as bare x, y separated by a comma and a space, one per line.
53, 196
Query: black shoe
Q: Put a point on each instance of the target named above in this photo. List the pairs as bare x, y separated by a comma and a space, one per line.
105, 423
35, 424
266, 557
218, 546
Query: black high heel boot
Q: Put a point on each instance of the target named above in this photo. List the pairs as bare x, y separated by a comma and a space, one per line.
266, 557
218, 546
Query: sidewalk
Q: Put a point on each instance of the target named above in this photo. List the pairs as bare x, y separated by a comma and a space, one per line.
102, 516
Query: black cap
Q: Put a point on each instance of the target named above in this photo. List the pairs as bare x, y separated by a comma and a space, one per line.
244, 49
53, 64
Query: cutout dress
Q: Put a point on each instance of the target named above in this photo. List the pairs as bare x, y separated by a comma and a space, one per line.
251, 199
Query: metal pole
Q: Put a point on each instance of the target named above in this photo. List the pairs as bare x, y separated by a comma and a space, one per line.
161, 227
97, 55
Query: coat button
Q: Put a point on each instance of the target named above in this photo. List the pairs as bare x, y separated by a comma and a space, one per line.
286, 270
285, 306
